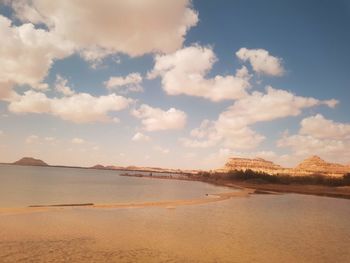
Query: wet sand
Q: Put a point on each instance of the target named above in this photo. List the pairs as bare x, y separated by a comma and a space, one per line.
319, 190
209, 198
264, 188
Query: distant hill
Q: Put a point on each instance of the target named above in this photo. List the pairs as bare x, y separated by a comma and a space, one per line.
30, 161
313, 165
98, 166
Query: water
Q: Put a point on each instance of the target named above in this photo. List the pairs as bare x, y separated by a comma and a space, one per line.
261, 228
22, 186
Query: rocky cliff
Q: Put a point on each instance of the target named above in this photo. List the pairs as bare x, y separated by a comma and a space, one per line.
315, 165
311, 166
257, 164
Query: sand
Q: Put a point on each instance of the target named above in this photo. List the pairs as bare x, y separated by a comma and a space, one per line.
209, 198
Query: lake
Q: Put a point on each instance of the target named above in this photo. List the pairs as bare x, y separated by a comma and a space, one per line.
260, 228
22, 186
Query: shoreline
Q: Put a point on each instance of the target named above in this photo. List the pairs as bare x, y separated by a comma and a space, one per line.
120, 169
246, 189
264, 188
169, 204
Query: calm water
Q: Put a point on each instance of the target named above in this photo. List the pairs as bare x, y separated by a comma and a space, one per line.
261, 228
21, 186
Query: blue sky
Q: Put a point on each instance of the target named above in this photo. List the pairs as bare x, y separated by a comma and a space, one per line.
289, 101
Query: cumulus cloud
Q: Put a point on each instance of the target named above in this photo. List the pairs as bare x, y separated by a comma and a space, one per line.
31, 102
62, 87
116, 120
32, 139
322, 128
161, 149
318, 135
27, 54
130, 83
78, 141
261, 61
227, 134
156, 119
55, 30
79, 108
140, 137
102, 27
185, 72
47, 141
306, 145
273, 104
232, 128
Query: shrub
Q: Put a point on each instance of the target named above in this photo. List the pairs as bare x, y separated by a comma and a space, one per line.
261, 177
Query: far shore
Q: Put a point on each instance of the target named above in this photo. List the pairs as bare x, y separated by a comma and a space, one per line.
262, 188
122, 169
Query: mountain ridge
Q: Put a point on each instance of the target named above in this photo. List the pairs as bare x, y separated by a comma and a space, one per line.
310, 166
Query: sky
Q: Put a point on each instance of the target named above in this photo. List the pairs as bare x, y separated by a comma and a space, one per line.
174, 83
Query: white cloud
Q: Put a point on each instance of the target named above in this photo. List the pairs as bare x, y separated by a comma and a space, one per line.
26, 55
79, 108
156, 119
320, 136
225, 132
83, 107
274, 104
35, 139
31, 101
140, 137
78, 141
232, 128
322, 128
130, 83
116, 120
103, 27
262, 62
161, 149
1, 132
106, 27
185, 71
62, 87
32, 139
204, 136
190, 155
307, 145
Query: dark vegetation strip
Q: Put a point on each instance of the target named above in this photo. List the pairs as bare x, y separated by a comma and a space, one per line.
264, 178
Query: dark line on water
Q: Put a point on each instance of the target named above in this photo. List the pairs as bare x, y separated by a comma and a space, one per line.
84, 204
